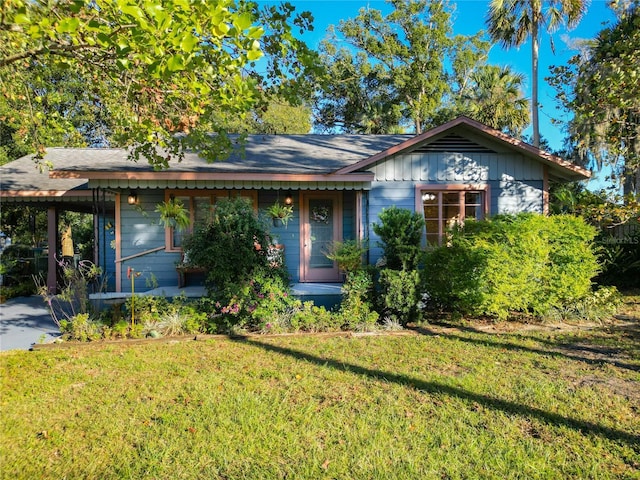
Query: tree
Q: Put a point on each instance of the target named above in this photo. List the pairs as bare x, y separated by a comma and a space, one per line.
398, 69
55, 107
164, 70
495, 99
513, 22
602, 90
276, 117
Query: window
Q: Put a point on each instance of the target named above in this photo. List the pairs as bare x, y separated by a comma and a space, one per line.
200, 205
444, 205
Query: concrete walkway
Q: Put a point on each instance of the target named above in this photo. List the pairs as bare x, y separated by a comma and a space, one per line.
25, 321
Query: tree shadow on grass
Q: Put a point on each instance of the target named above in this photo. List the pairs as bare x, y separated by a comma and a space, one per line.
602, 355
438, 388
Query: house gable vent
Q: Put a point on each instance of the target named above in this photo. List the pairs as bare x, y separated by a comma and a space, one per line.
453, 143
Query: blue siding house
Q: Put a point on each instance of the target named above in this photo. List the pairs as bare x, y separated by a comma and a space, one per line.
338, 184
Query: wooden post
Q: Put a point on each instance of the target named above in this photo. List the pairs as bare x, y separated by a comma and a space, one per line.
52, 233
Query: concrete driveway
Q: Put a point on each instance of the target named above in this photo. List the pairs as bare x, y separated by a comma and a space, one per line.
25, 321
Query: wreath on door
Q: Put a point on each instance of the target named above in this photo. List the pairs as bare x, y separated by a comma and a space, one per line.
320, 214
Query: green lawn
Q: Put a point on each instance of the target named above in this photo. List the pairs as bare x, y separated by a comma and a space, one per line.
439, 402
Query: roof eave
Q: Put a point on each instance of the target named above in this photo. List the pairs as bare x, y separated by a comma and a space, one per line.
212, 176
574, 171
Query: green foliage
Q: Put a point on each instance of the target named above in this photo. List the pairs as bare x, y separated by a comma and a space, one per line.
526, 263
308, 317
281, 212
356, 307
173, 214
17, 270
600, 88
400, 231
161, 71
81, 328
401, 294
397, 70
495, 98
278, 117
347, 254
599, 305
514, 22
232, 246
617, 221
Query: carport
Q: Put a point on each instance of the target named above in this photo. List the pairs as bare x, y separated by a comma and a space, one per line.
25, 182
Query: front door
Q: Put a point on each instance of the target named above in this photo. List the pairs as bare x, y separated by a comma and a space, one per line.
321, 225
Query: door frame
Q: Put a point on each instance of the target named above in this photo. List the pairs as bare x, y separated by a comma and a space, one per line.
306, 273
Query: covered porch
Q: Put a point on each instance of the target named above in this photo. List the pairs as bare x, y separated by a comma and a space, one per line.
324, 294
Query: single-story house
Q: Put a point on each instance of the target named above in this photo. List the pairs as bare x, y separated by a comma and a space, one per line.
338, 184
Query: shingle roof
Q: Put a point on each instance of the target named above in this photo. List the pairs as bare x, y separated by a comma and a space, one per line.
23, 175
260, 155
297, 154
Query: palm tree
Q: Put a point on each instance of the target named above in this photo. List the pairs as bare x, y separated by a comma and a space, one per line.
496, 99
513, 22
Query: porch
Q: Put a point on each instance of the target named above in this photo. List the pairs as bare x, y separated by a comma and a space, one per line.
322, 294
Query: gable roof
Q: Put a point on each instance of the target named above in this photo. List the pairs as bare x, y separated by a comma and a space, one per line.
296, 158
560, 168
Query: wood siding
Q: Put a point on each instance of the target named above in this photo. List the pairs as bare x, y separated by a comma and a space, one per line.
516, 184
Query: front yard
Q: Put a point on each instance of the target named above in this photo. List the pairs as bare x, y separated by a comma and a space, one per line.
440, 401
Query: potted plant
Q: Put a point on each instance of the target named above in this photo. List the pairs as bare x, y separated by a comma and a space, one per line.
281, 214
173, 214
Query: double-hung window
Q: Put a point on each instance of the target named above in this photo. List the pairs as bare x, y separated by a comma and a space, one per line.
200, 204
445, 205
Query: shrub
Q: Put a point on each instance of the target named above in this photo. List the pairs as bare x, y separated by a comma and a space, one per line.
527, 263
308, 317
400, 292
356, 306
347, 254
81, 328
232, 245
597, 306
400, 231
250, 304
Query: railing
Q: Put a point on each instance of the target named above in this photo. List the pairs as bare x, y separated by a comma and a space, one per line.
139, 254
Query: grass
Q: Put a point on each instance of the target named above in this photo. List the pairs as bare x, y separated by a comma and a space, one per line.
442, 401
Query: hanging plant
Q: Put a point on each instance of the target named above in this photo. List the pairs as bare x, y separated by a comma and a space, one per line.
173, 214
320, 214
280, 212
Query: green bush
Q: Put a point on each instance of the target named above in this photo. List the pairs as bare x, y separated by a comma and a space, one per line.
232, 245
308, 317
401, 294
527, 263
81, 328
347, 254
356, 306
400, 231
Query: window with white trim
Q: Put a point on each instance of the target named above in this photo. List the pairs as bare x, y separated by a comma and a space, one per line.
445, 206
200, 205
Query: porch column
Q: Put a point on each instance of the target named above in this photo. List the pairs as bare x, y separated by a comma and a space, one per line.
52, 232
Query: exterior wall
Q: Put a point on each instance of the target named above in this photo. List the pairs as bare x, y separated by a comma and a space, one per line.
141, 231
288, 236
516, 183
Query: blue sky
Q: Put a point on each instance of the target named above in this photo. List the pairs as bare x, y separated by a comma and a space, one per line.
469, 18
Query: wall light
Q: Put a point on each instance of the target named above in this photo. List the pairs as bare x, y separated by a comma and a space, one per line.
132, 199
288, 200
